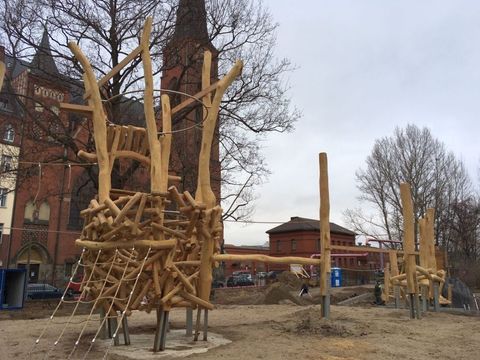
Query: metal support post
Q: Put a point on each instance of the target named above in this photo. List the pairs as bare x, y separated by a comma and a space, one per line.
189, 322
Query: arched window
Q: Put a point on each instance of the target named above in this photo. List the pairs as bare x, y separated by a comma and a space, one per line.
9, 134
29, 210
44, 212
34, 213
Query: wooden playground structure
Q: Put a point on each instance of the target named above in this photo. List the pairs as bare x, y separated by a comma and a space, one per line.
156, 250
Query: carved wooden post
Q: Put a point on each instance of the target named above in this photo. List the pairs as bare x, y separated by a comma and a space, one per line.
324, 235
409, 247
99, 126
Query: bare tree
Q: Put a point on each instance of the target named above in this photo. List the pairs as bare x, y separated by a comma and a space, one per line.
436, 177
256, 105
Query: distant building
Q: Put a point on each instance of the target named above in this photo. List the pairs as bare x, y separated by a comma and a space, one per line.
252, 266
301, 237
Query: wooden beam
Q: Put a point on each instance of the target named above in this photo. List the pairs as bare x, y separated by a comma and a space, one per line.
116, 69
110, 245
76, 108
324, 225
267, 259
408, 237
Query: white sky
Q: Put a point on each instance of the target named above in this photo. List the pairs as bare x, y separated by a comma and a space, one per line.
364, 68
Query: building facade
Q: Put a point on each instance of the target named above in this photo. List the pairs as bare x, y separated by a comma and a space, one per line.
43, 211
301, 237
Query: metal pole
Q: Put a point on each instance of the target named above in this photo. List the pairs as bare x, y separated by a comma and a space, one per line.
436, 303
396, 293
189, 322
205, 325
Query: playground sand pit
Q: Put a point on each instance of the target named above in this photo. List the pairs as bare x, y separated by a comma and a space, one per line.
272, 332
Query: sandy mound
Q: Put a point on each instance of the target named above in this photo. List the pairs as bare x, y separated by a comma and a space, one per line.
290, 280
310, 322
278, 293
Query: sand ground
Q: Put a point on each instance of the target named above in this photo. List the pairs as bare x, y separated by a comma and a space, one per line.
277, 332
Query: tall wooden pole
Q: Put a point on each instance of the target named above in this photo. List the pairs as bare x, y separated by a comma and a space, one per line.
99, 126
409, 247
324, 235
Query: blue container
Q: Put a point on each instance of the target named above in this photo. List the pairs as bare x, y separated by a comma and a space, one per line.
336, 277
12, 288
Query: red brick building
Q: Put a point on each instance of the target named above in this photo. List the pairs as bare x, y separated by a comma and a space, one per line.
301, 237
49, 198
251, 266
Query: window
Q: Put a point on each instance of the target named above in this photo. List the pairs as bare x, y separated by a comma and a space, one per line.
293, 244
9, 134
29, 210
278, 246
44, 211
6, 163
1, 233
3, 197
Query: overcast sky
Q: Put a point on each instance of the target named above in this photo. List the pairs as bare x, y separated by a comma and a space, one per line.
364, 68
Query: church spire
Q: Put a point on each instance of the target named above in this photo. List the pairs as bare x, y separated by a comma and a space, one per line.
43, 62
191, 23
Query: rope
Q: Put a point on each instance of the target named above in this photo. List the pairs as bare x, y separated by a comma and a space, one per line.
127, 305
94, 304
56, 309
71, 316
111, 304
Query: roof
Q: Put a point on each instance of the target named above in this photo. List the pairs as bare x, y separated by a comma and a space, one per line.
297, 223
42, 62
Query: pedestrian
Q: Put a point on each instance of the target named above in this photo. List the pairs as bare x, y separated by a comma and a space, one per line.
304, 290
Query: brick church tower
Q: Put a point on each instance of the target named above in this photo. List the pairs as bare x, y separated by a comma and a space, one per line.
183, 59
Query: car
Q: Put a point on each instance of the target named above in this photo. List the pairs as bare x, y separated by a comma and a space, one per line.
43, 291
239, 281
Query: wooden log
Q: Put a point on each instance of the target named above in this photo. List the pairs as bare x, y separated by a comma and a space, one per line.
200, 302
187, 263
116, 69
392, 255
267, 259
114, 210
154, 244
139, 214
198, 96
172, 232
121, 215
430, 238
324, 225
166, 141
153, 142
423, 249
156, 281
184, 280
115, 231
204, 193
76, 108
409, 237
129, 140
99, 127
172, 190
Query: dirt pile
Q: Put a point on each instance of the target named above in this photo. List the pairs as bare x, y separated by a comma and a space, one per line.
290, 280
278, 293
310, 322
